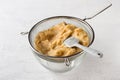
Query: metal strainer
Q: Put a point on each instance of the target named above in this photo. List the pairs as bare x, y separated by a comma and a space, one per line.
60, 64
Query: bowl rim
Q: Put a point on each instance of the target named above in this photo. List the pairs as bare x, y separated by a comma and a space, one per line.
68, 17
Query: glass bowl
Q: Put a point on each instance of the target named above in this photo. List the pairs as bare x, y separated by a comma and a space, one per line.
59, 64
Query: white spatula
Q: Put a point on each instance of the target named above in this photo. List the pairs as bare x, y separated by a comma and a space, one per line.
73, 42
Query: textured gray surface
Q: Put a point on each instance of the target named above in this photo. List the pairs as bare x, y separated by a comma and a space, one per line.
17, 61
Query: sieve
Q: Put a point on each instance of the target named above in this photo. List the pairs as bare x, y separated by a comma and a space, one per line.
65, 63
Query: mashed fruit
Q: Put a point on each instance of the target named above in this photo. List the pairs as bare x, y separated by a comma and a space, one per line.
51, 42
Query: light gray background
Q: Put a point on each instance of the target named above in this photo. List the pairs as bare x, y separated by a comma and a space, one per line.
16, 59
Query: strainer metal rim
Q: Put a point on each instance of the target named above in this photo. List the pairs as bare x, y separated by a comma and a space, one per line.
68, 17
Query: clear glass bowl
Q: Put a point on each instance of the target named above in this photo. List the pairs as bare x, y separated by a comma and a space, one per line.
59, 64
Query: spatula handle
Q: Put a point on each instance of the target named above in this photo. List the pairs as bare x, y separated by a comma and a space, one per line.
90, 50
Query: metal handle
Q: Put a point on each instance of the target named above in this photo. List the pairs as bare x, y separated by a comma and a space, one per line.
98, 12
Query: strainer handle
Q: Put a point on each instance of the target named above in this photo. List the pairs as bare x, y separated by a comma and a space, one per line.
98, 12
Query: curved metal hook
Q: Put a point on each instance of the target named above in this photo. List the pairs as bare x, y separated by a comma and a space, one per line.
67, 62
24, 33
